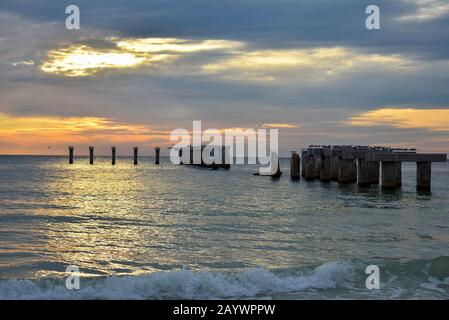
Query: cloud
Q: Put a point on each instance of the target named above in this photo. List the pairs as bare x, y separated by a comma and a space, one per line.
430, 119
425, 10
84, 60
313, 64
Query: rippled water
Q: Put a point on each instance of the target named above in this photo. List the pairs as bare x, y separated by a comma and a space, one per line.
170, 231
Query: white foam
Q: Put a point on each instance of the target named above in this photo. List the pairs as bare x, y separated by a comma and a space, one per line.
185, 284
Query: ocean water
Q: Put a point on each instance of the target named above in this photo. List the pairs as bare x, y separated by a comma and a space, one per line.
167, 232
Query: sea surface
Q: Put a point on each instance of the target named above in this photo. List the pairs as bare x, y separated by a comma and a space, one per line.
167, 232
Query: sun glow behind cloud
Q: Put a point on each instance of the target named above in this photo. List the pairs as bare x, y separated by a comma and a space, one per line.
431, 119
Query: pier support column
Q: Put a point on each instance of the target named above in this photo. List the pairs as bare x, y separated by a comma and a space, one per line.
353, 170
363, 173
398, 174
91, 155
113, 155
317, 158
374, 172
334, 168
70, 154
157, 150
295, 166
303, 163
325, 168
388, 175
310, 167
344, 171
136, 151
423, 175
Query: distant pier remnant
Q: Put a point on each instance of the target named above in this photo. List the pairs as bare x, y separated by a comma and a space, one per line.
136, 152
303, 163
158, 151
374, 172
70, 154
398, 173
310, 166
91, 155
295, 166
388, 175
113, 155
363, 173
345, 171
334, 167
325, 165
423, 175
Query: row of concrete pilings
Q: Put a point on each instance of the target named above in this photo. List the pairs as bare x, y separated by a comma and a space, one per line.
363, 165
113, 156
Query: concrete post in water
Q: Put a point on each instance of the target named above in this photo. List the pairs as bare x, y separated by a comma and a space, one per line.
363, 173
157, 150
353, 170
344, 171
317, 153
113, 155
295, 166
303, 163
398, 169
334, 168
423, 175
374, 172
325, 168
388, 175
310, 166
70, 154
91, 155
136, 150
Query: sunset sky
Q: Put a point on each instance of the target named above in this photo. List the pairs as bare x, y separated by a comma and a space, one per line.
136, 70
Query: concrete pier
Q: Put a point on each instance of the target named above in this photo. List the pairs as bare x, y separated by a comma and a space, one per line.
374, 172
158, 151
334, 168
398, 174
295, 166
423, 175
303, 163
345, 171
136, 151
310, 167
325, 167
70, 154
388, 175
91, 155
317, 156
113, 155
363, 173
354, 171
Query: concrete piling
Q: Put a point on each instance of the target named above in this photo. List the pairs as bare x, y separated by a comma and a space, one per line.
388, 175
363, 173
295, 166
310, 167
334, 168
345, 171
136, 150
157, 150
303, 163
91, 155
423, 175
70, 154
374, 172
325, 168
353, 171
113, 155
398, 174
317, 157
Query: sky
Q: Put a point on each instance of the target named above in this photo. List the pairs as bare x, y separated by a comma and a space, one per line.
136, 70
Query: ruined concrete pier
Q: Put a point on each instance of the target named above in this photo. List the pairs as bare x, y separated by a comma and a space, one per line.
363, 173
345, 171
70, 154
388, 175
310, 166
158, 151
136, 151
374, 172
91, 155
334, 167
423, 175
303, 163
295, 166
398, 173
325, 166
113, 155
